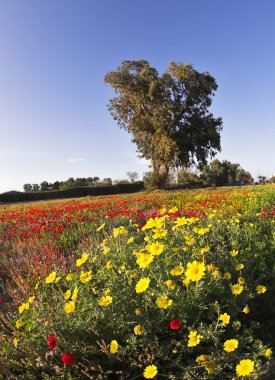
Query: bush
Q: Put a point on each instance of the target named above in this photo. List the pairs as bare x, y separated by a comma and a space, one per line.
17, 196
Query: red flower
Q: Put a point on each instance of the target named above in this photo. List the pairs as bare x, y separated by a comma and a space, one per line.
175, 324
1, 300
51, 342
68, 359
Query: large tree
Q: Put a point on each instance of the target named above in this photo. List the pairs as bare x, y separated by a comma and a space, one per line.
167, 115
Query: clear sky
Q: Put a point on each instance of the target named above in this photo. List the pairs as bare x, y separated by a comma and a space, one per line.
54, 123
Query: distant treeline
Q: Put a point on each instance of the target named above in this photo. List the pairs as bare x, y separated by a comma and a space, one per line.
17, 196
68, 184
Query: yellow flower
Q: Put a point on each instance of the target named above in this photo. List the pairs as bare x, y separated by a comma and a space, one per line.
130, 240
110, 264
225, 318
202, 359
51, 277
156, 248
234, 253
85, 277
46, 323
217, 274
175, 249
177, 270
268, 352
186, 281
95, 289
119, 231
69, 307
230, 345
236, 289
113, 346
138, 312
138, 330
133, 274
163, 210
241, 280
100, 227
37, 285
70, 277
205, 249
179, 222
138, 252
144, 260
246, 310
105, 301
75, 293
31, 299
245, 367
19, 323
107, 291
151, 223
171, 284
82, 260
239, 267
67, 295
261, 289
15, 341
210, 366
211, 267
194, 339
195, 271
201, 230
142, 285
103, 243
150, 372
106, 250
190, 241
163, 302
173, 210
23, 307
159, 233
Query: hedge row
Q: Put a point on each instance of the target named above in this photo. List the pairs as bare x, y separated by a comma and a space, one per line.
17, 196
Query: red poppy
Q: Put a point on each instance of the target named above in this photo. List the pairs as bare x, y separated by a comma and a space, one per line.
1, 300
51, 342
175, 324
68, 359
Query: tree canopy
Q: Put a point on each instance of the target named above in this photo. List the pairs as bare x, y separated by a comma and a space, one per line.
167, 115
221, 173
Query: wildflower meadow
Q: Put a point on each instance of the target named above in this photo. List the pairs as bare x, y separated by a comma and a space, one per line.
163, 285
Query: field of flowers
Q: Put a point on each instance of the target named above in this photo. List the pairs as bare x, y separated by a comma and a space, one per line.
175, 285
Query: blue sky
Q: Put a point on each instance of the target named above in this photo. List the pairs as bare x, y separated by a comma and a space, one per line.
54, 123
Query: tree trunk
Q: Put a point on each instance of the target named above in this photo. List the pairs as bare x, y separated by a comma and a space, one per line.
164, 175
160, 174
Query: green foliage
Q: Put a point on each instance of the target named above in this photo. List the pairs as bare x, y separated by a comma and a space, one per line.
233, 243
153, 180
188, 177
68, 184
221, 173
167, 115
